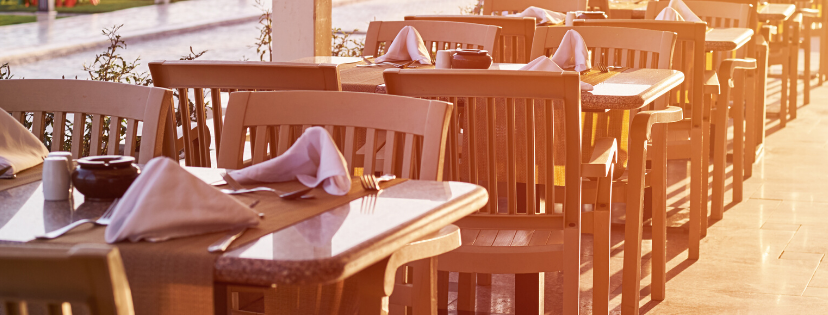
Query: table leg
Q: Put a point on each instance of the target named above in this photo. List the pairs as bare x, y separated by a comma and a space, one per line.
806, 46
794, 59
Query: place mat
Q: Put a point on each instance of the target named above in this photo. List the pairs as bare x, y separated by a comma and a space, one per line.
176, 276
365, 79
593, 76
30, 175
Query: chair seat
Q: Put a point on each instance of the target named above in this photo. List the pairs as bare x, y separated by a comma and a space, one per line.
505, 251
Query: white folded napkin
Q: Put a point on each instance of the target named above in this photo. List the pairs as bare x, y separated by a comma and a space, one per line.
408, 45
19, 148
166, 202
543, 63
312, 160
541, 15
572, 52
669, 14
681, 9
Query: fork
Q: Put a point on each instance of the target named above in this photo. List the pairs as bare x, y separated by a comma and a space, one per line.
103, 221
371, 182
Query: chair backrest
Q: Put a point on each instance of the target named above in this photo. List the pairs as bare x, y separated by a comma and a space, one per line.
109, 104
415, 130
715, 13
615, 46
688, 57
625, 47
437, 35
516, 33
89, 274
497, 7
229, 76
519, 133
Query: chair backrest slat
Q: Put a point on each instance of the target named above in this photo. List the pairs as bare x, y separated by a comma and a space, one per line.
230, 76
381, 33
100, 100
398, 116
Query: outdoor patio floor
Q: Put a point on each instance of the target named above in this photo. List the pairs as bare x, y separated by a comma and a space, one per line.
764, 257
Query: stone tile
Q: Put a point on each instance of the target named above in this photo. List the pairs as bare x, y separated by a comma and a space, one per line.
749, 246
772, 276
790, 255
780, 227
809, 239
804, 213
820, 278
816, 292
690, 301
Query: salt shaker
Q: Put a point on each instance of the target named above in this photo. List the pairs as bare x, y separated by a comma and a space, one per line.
443, 59
56, 179
570, 16
65, 155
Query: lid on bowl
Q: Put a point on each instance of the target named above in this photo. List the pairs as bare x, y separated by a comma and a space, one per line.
105, 161
472, 52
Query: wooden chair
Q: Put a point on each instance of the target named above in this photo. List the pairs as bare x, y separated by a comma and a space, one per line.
515, 40
437, 35
415, 136
631, 48
516, 232
498, 7
104, 101
230, 76
83, 274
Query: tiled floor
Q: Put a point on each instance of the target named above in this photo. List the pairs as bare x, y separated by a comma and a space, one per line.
764, 257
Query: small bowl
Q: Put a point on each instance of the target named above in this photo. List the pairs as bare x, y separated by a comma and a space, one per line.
105, 177
471, 59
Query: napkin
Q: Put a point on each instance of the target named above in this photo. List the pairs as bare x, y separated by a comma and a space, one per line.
166, 202
543, 16
681, 9
19, 148
408, 45
543, 63
669, 14
312, 160
572, 52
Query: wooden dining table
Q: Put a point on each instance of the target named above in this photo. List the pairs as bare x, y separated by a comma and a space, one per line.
322, 248
624, 90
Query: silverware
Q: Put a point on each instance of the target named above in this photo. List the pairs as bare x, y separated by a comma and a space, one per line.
103, 220
222, 244
371, 182
284, 195
369, 62
238, 189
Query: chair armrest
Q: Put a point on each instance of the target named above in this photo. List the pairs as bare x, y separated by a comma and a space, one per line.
643, 121
727, 67
603, 156
810, 13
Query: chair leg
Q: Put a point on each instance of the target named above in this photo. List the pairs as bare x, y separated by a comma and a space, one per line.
751, 80
442, 289
806, 45
719, 154
659, 201
466, 292
705, 163
601, 236
529, 293
783, 99
631, 291
761, 92
738, 134
425, 286
794, 72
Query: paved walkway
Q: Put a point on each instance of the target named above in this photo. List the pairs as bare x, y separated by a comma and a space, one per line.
56, 37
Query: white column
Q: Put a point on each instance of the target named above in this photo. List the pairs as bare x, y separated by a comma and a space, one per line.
301, 28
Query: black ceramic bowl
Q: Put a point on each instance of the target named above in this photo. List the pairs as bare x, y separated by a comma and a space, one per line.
471, 59
104, 177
